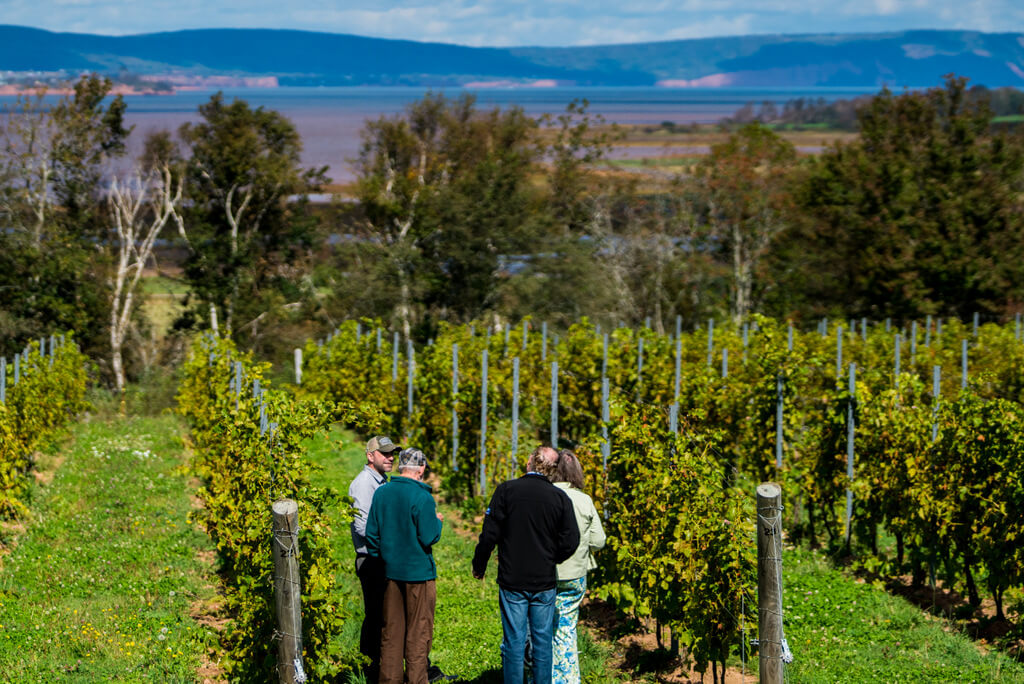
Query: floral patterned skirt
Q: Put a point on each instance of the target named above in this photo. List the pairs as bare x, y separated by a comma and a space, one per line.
567, 606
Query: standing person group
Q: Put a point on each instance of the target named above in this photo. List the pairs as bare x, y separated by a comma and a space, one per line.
395, 529
538, 530
545, 529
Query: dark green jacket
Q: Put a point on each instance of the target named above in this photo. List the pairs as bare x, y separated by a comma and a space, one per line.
401, 528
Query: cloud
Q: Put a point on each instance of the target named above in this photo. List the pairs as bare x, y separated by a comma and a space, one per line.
519, 22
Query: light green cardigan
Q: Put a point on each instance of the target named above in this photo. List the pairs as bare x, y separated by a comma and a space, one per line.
592, 535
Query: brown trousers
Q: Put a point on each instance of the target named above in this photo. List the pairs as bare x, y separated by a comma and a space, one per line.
408, 631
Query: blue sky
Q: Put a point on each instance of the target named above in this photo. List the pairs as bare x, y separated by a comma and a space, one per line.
519, 22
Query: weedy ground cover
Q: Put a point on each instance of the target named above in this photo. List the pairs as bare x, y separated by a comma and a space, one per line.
101, 583
844, 630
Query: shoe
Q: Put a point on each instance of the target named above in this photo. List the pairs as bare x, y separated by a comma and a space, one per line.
435, 674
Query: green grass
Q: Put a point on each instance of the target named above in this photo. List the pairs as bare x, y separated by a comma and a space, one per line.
467, 625
99, 585
842, 630
163, 285
661, 162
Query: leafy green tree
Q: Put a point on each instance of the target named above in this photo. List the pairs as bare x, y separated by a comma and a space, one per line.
445, 193
742, 191
922, 214
245, 230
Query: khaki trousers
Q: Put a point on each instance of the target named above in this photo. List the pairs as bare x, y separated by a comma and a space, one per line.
408, 631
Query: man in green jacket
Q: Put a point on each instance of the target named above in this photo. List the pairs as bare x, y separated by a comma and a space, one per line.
402, 527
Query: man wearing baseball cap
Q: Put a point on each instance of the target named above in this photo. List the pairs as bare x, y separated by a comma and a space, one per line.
402, 528
380, 453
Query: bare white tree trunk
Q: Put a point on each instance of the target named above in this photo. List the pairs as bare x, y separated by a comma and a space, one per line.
26, 168
139, 208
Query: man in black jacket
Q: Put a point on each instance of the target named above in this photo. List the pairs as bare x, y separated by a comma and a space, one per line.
533, 525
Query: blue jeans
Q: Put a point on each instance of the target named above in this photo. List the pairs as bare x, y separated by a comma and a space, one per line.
527, 614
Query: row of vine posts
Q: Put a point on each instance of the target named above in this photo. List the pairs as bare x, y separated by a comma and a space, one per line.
863, 423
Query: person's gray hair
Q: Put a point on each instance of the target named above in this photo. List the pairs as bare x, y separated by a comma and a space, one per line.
544, 460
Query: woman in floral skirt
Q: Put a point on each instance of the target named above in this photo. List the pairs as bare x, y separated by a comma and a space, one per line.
572, 574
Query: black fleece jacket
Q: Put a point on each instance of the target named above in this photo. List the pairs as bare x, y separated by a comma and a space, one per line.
533, 525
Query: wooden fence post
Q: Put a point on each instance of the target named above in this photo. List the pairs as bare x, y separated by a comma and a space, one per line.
772, 648
288, 592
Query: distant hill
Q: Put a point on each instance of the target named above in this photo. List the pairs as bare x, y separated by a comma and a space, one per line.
906, 58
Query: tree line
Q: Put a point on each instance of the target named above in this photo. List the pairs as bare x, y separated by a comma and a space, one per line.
462, 213
842, 114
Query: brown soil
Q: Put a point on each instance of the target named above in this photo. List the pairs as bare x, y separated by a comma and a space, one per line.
44, 475
209, 613
636, 654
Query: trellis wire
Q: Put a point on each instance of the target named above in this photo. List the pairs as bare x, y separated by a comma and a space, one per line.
679, 360
778, 421
639, 366
711, 339
605, 418
554, 404
839, 353
849, 446
455, 407
394, 358
515, 412
897, 345
963, 364
410, 363
483, 423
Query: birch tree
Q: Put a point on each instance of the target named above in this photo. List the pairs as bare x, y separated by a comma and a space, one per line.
140, 205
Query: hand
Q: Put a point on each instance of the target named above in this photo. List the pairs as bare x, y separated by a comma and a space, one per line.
440, 516
478, 575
